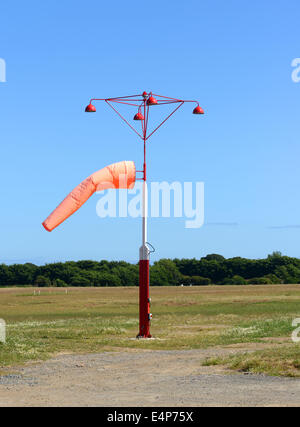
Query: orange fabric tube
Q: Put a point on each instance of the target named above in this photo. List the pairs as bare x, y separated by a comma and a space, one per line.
117, 175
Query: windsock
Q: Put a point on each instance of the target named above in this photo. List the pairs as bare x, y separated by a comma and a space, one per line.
117, 175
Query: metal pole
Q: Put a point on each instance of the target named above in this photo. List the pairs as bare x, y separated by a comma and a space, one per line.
144, 282
145, 100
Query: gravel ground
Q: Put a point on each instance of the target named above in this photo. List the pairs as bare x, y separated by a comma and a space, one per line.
142, 378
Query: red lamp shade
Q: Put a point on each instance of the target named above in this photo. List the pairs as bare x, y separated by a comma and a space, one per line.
151, 101
138, 116
198, 110
90, 108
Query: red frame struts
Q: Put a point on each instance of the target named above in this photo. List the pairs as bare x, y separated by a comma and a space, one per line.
140, 101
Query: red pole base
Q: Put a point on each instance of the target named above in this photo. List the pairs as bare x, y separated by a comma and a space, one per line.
144, 300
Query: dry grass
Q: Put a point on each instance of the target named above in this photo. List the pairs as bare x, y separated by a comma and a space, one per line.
91, 319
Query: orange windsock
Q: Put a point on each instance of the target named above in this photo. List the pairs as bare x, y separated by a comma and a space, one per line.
117, 175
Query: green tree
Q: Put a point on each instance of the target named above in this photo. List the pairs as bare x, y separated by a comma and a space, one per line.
260, 281
42, 281
6, 276
213, 257
79, 280
200, 281
164, 273
235, 280
60, 283
185, 280
23, 273
288, 273
107, 279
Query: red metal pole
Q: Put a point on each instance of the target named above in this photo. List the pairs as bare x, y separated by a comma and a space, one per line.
144, 331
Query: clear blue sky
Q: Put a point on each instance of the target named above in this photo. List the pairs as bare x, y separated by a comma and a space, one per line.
234, 56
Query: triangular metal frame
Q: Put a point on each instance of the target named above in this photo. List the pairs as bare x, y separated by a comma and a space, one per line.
140, 101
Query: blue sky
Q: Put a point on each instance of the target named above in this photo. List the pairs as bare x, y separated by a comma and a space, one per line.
234, 57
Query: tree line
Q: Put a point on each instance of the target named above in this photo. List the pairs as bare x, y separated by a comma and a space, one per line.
211, 269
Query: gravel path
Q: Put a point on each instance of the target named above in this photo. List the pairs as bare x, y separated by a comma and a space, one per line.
142, 378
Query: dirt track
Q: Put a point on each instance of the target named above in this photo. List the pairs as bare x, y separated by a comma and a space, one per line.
142, 378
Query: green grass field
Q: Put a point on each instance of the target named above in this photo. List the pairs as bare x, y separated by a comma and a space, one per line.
98, 319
